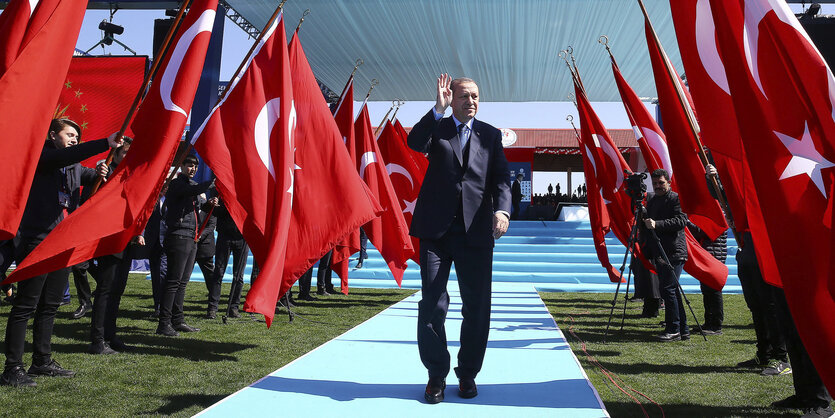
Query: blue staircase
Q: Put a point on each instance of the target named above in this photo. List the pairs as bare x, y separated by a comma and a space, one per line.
555, 256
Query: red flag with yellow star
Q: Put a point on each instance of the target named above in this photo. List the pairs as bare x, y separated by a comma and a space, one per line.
98, 93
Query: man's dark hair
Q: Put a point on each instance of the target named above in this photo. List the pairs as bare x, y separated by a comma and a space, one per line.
191, 158
661, 173
520, 176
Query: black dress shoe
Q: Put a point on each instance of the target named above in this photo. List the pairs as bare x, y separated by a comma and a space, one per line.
81, 311
666, 337
101, 347
322, 292
331, 290
359, 264
467, 388
183, 327
167, 330
308, 297
435, 390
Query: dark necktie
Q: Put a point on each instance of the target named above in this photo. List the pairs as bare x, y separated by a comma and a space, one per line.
462, 136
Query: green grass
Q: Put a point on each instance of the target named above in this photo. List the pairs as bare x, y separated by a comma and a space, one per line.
688, 378
179, 376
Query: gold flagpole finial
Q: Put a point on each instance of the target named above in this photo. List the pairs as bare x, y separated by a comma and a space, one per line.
306, 12
357, 65
374, 82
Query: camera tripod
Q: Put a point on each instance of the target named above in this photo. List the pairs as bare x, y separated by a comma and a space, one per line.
639, 211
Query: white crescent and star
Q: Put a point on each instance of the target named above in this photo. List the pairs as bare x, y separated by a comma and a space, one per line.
367, 158
805, 159
203, 24
659, 146
706, 46
399, 169
594, 167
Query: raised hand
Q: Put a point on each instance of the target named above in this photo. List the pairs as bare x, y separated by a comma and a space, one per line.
444, 98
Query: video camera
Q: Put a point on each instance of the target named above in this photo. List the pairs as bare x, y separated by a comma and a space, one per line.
635, 186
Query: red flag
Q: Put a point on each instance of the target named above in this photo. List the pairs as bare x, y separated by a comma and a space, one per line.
120, 209
405, 175
696, 201
700, 263
330, 199
598, 215
719, 130
344, 117
247, 141
389, 233
29, 88
98, 93
13, 23
783, 93
419, 159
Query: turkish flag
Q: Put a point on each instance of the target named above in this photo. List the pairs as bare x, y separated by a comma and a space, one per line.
120, 209
98, 93
783, 94
405, 174
696, 36
330, 199
696, 201
248, 142
389, 233
598, 215
418, 157
344, 117
700, 263
36, 64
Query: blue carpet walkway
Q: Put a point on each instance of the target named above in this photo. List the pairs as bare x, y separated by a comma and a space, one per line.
374, 370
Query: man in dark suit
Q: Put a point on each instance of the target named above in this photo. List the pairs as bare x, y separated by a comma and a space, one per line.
516, 195
463, 206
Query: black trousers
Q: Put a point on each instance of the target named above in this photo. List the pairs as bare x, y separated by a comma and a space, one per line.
82, 284
106, 267
181, 252
39, 296
714, 308
158, 260
240, 251
324, 274
808, 385
363, 245
760, 298
473, 266
674, 315
304, 283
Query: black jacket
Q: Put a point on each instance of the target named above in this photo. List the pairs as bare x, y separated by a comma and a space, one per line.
58, 171
182, 205
225, 224
670, 222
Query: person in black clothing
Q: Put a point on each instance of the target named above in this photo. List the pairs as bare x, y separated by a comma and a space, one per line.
206, 246
229, 241
111, 275
664, 216
82, 289
324, 276
363, 248
55, 190
154, 235
180, 246
714, 310
516, 196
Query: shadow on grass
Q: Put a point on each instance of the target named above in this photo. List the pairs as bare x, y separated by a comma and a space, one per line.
177, 403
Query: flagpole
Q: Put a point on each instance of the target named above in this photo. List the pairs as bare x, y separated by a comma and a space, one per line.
374, 82
385, 118
570, 120
163, 50
691, 119
347, 84
399, 103
190, 146
306, 12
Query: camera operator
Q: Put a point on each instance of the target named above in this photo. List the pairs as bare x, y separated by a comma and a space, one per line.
665, 218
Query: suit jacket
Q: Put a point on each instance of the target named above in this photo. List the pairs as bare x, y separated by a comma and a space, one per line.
478, 182
516, 193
